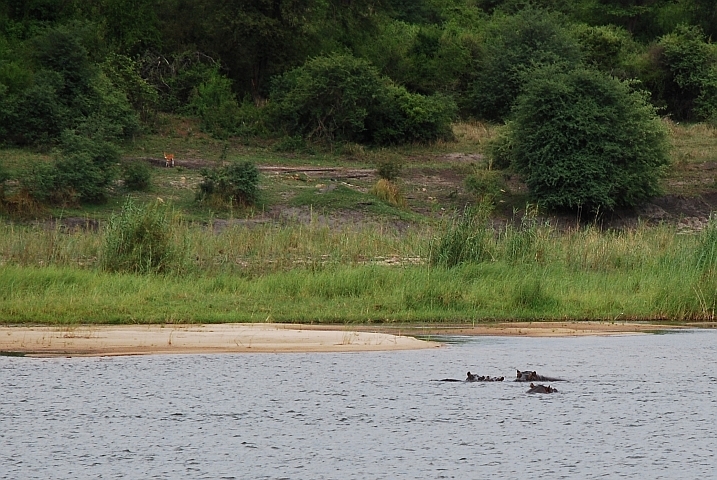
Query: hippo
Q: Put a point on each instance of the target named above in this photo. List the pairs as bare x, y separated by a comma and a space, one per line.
472, 377
534, 377
541, 389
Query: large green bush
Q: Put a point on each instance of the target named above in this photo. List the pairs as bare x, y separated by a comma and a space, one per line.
405, 117
137, 175
343, 98
328, 98
234, 184
82, 172
582, 139
513, 48
685, 74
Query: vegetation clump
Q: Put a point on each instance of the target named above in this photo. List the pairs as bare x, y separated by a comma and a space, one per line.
341, 98
137, 175
234, 184
581, 139
467, 240
144, 239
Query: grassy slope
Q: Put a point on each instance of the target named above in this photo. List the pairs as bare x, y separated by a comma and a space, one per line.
313, 273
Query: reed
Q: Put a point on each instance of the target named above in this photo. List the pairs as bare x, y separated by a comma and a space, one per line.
313, 273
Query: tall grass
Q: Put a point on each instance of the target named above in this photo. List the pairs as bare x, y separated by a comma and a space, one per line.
314, 273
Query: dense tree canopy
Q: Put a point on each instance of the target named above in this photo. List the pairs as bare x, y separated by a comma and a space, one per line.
104, 69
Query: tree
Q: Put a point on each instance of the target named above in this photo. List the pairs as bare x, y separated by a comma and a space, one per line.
685, 78
514, 47
582, 139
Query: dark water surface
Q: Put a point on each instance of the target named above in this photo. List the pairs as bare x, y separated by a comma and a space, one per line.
632, 407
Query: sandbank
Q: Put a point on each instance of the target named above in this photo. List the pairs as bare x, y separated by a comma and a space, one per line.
95, 340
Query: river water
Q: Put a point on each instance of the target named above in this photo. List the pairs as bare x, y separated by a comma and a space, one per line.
637, 406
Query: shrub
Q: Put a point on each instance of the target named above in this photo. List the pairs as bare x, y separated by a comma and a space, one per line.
486, 185
215, 104
405, 117
328, 98
235, 184
604, 47
468, 240
499, 149
389, 168
137, 175
37, 115
514, 47
82, 172
584, 139
124, 74
687, 74
341, 98
144, 239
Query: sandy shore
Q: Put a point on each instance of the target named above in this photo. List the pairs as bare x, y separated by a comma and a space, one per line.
274, 338
219, 338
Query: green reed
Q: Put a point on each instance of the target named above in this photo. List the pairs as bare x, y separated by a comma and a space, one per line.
370, 273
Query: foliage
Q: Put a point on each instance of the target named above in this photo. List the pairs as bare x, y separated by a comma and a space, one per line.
137, 175
389, 168
582, 139
468, 240
55, 87
499, 149
343, 98
389, 192
235, 184
216, 105
604, 47
486, 185
144, 239
405, 117
124, 74
327, 99
686, 76
514, 47
426, 58
81, 173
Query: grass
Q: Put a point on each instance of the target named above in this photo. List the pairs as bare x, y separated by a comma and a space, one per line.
366, 269
317, 274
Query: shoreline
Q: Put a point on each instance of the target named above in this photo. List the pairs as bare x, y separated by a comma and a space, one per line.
113, 340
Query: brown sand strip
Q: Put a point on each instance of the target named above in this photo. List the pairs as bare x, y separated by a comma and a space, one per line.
526, 329
220, 338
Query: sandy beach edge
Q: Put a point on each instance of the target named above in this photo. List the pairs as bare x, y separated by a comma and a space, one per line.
105, 340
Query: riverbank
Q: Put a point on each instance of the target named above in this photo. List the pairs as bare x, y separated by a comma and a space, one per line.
96, 340
102, 340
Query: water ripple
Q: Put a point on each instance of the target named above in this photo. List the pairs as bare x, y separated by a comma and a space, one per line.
631, 407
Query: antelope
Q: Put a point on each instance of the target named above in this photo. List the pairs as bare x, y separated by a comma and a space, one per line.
169, 159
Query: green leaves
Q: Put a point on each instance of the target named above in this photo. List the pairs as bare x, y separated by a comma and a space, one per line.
581, 139
343, 98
